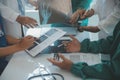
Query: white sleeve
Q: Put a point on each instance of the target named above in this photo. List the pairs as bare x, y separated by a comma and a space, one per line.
94, 5
110, 22
8, 13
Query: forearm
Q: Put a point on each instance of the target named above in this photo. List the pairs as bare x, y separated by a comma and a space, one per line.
90, 29
99, 71
100, 46
12, 40
4, 51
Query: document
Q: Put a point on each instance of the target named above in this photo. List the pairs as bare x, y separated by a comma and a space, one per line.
89, 58
47, 37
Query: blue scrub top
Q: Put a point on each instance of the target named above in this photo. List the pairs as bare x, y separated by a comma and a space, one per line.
3, 41
84, 4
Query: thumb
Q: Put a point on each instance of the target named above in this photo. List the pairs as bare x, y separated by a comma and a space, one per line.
72, 37
62, 57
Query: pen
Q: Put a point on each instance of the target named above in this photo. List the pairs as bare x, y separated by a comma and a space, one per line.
56, 56
64, 43
60, 45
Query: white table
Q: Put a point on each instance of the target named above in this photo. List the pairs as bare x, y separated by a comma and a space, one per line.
22, 65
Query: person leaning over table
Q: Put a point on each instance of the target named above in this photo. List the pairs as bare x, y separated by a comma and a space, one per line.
13, 13
104, 71
10, 45
108, 12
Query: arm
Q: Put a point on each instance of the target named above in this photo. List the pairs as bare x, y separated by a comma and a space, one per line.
98, 71
11, 40
81, 69
89, 28
100, 46
13, 16
86, 46
25, 43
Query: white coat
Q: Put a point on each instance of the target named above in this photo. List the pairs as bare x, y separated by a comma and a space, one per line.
10, 11
109, 14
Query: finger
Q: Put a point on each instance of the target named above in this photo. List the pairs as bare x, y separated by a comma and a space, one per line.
67, 49
53, 61
65, 43
26, 25
31, 25
62, 57
72, 37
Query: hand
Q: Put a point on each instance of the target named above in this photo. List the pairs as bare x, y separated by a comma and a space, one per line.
88, 13
76, 15
64, 64
80, 29
73, 46
27, 21
26, 42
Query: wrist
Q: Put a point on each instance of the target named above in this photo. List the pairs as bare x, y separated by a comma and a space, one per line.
19, 47
92, 12
19, 19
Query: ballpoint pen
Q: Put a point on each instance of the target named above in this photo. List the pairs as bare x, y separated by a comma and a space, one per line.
56, 56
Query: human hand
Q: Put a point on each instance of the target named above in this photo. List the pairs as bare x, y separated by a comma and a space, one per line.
77, 15
80, 29
27, 21
64, 64
72, 46
26, 42
87, 13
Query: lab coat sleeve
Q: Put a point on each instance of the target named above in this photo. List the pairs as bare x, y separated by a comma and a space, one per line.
98, 71
100, 46
95, 6
110, 22
8, 13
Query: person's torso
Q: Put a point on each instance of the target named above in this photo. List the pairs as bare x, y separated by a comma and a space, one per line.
3, 42
13, 29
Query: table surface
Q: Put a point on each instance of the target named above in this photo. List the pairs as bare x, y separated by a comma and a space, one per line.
22, 65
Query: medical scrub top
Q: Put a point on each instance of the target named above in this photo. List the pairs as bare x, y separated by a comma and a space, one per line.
84, 4
3, 43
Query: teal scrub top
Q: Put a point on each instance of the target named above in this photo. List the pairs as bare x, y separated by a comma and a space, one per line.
104, 71
84, 4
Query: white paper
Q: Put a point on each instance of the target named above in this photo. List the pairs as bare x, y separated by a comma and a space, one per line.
84, 57
48, 37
